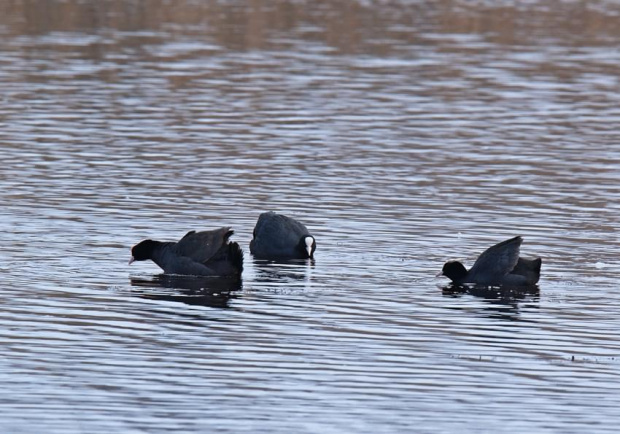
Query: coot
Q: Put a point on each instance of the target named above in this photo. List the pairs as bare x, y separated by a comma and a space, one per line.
277, 236
206, 253
498, 265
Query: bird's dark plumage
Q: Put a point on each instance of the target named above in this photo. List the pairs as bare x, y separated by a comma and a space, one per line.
530, 268
207, 253
280, 237
498, 265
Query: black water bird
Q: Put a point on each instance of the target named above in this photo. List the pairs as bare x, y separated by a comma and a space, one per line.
277, 236
206, 253
498, 265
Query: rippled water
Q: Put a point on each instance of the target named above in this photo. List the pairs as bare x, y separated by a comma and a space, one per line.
403, 134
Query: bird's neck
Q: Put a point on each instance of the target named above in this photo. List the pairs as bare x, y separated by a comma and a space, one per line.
160, 254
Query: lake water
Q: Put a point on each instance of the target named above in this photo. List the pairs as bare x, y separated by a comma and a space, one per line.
403, 134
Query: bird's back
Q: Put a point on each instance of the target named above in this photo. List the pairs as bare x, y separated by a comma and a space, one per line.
276, 235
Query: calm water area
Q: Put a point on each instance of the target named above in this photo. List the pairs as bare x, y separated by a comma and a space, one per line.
402, 133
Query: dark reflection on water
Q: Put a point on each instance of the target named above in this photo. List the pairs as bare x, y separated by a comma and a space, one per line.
192, 290
283, 271
500, 302
401, 133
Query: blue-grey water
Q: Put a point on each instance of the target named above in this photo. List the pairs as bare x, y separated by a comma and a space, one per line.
403, 134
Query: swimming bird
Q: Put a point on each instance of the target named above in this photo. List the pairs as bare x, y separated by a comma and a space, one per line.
277, 236
206, 253
498, 265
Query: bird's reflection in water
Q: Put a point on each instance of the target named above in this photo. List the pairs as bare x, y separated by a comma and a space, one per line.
292, 270
192, 290
501, 302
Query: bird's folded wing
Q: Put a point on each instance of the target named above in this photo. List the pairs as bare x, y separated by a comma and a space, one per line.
497, 261
202, 246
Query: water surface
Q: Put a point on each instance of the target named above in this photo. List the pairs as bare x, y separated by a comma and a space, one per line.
402, 134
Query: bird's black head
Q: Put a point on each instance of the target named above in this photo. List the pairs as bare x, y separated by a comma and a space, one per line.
307, 244
143, 250
454, 271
